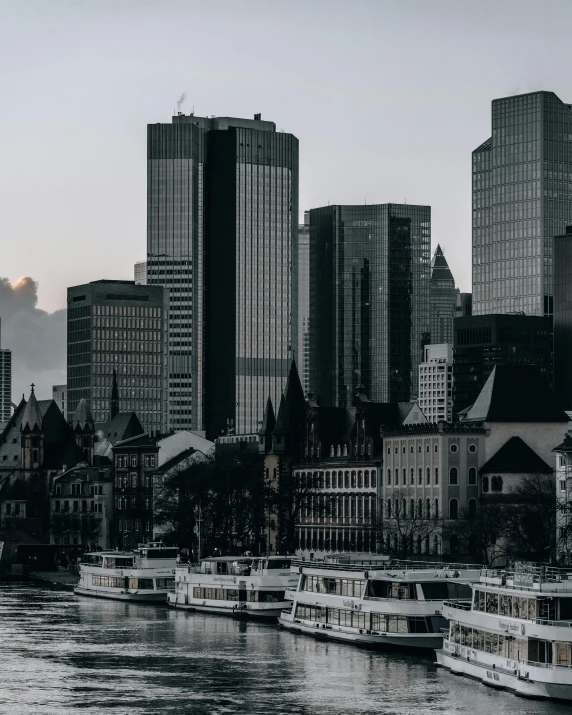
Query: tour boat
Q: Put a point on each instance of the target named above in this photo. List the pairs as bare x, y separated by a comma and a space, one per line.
517, 632
239, 586
144, 574
395, 604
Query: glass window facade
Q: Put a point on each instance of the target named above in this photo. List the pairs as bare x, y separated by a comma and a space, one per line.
303, 355
563, 319
5, 386
369, 291
522, 197
117, 325
444, 298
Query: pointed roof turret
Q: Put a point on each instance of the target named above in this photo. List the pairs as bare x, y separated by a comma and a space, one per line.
268, 421
281, 426
32, 417
294, 393
290, 418
440, 270
114, 402
82, 418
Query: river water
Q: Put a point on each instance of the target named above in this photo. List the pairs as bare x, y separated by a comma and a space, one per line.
62, 653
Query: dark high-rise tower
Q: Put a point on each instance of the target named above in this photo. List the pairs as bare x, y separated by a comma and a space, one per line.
443, 299
303, 356
369, 297
222, 227
521, 199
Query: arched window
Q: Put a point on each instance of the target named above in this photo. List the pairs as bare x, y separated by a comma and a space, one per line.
360, 479
396, 477
389, 508
404, 476
404, 507
472, 475
412, 508
373, 479
453, 509
332, 451
334, 480
420, 508
428, 508
485, 484
327, 480
496, 484
428, 475
472, 508
339, 451
366, 479
420, 476
436, 475
412, 476
427, 544
353, 480
389, 476
436, 508
345, 450
453, 475
347, 480
396, 507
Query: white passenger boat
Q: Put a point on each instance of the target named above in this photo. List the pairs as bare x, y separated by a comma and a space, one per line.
144, 574
384, 604
517, 632
232, 585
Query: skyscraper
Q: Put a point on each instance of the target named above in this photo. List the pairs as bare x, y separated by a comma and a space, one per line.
140, 273
563, 318
303, 356
5, 386
222, 236
369, 297
117, 327
521, 199
443, 299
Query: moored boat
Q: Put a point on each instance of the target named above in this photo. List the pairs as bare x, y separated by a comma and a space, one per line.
395, 604
232, 585
516, 633
144, 574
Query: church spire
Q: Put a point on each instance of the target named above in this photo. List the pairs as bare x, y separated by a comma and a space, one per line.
114, 402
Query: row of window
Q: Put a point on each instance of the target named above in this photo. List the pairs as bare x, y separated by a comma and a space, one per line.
108, 581
123, 481
123, 503
512, 606
494, 643
76, 489
232, 594
336, 586
351, 540
453, 477
398, 508
454, 448
338, 479
65, 506
366, 621
129, 525
338, 507
124, 460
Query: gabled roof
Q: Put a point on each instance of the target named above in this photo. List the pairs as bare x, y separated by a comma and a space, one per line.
32, 417
440, 268
140, 440
123, 426
292, 408
83, 472
514, 457
82, 418
566, 445
515, 393
177, 459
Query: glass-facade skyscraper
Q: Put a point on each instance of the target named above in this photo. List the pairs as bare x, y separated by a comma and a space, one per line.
562, 323
369, 293
118, 326
222, 227
522, 197
443, 299
303, 355
5, 386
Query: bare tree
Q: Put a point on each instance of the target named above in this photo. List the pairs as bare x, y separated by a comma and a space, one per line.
406, 524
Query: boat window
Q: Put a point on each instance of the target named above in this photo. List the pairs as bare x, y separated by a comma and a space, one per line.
162, 553
141, 583
492, 603
282, 564
565, 609
240, 568
118, 562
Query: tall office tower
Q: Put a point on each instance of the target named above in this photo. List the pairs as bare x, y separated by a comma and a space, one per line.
5, 385
140, 273
464, 306
60, 397
117, 327
303, 356
443, 299
521, 199
563, 318
483, 341
436, 383
369, 295
222, 225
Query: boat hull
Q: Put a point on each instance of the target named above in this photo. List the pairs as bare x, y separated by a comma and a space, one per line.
158, 597
417, 641
269, 614
507, 680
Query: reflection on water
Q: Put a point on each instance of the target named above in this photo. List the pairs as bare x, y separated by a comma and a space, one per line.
61, 652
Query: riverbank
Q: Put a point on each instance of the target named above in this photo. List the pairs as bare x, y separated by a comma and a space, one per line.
61, 580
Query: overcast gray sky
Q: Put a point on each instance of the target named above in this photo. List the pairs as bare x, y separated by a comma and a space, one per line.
387, 98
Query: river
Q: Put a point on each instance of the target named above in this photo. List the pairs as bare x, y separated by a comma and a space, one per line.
62, 653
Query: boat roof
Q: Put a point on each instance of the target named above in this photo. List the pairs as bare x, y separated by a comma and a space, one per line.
244, 558
398, 570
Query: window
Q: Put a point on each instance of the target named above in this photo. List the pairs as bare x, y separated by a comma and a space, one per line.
428, 475
389, 508
420, 476
58, 488
133, 460
388, 450
428, 508
427, 449
496, 484
404, 476
134, 481
562, 485
454, 448
389, 476
436, 448
419, 449
436, 475
436, 510
472, 448
453, 475
412, 476
453, 509
472, 475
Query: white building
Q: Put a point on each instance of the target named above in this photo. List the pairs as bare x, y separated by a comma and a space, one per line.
140, 273
60, 397
436, 383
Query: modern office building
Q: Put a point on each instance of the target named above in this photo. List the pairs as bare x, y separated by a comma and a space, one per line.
521, 198
369, 292
443, 299
222, 235
60, 397
483, 341
140, 273
436, 383
5, 385
563, 318
464, 306
118, 328
303, 356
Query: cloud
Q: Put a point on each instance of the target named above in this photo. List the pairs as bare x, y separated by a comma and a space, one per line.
37, 339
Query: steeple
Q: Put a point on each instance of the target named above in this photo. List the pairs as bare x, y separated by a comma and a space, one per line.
84, 430
267, 427
114, 403
32, 417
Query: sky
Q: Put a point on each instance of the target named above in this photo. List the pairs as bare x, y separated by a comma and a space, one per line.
388, 99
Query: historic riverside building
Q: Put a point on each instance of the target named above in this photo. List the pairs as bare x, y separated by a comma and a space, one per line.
521, 198
483, 341
436, 383
118, 328
444, 298
370, 297
222, 236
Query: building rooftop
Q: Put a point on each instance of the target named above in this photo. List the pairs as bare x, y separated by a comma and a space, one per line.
516, 457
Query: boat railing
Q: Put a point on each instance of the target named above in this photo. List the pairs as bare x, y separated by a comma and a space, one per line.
463, 606
544, 665
402, 600
546, 622
387, 566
